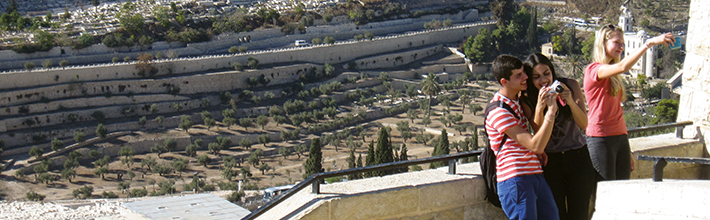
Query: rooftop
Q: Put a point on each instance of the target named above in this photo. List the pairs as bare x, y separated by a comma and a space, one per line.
205, 206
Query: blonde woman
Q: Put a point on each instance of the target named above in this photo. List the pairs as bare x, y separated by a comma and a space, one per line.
604, 90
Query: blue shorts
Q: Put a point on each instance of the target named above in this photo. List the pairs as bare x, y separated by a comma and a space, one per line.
527, 197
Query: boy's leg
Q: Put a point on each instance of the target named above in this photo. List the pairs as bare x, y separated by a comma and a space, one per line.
518, 197
546, 206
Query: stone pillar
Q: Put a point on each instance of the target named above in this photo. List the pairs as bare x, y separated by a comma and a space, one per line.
695, 95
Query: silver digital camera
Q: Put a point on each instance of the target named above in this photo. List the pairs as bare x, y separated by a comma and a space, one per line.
556, 88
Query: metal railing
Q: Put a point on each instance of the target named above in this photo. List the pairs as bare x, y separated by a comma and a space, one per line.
660, 162
678, 125
315, 179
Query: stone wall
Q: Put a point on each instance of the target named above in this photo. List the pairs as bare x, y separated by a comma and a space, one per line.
188, 84
695, 96
143, 146
479, 69
320, 54
113, 106
274, 36
99, 53
92, 102
396, 59
450, 200
668, 145
416, 74
19, 137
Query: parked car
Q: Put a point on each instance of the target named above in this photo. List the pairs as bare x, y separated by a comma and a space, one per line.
301, 43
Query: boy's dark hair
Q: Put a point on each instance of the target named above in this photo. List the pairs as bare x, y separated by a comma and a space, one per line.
504, 65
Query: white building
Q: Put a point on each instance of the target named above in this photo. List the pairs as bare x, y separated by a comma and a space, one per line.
635, 40
548, 50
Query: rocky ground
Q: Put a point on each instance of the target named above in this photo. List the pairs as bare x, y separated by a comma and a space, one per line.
98, 209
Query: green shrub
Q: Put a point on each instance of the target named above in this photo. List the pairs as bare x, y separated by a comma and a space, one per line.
334, 179
33, 196
108, 195
138, 192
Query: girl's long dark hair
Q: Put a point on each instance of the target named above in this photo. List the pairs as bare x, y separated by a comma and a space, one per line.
530, 96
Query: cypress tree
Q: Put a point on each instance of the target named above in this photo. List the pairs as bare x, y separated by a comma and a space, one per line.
383, 152
403, 157
403, 153
442, 148
532, 31
503, 11
359, 164
465, 148
370, 159
395, 154
359, 160
444, 142
351, 163
313, 164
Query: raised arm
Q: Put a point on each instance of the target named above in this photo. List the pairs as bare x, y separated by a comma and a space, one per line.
606, 71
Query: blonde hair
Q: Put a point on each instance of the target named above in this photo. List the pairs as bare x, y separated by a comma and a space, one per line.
599, 55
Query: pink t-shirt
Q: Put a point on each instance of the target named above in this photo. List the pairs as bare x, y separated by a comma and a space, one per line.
606, 115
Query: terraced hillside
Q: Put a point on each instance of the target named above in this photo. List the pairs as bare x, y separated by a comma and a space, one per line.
222, 116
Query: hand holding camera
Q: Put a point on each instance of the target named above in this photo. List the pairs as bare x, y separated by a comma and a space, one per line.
555, 89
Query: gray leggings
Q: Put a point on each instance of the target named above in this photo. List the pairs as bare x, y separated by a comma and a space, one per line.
611, 156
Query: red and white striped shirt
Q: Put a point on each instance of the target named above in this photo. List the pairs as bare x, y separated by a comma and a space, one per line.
514, 159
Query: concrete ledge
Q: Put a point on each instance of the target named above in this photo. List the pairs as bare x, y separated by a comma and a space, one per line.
645, 199
428, 194
668, 145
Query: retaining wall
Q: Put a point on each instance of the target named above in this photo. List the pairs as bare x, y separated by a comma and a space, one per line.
24, 137
188, 85
396, 59
99, 53
337, 53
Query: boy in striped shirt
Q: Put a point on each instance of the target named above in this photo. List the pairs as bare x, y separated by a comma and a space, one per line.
522, 189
